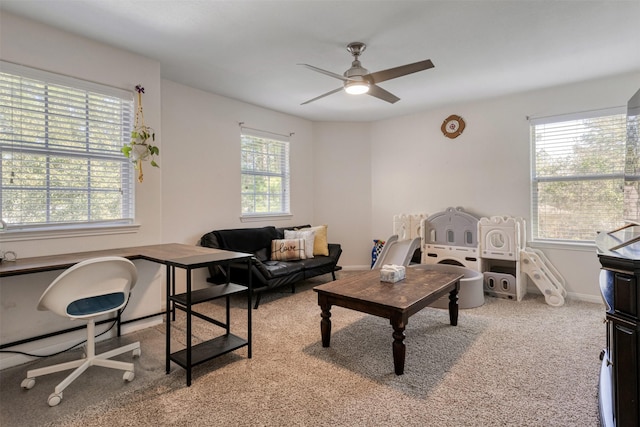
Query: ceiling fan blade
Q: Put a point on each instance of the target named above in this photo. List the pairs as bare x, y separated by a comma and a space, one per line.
403, 70
328, 73
322, 96
378, 92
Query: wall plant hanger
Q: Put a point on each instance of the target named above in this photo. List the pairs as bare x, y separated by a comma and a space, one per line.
141, 148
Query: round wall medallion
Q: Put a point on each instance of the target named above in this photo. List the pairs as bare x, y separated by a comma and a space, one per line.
452, 126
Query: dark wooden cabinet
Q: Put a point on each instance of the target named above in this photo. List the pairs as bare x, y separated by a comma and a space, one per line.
619, 255
621, 365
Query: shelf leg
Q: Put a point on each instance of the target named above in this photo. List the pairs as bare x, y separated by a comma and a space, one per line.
249, 309
168, 321
228, 323
188, 314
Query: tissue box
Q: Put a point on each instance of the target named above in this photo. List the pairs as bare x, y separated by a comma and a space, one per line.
392, 273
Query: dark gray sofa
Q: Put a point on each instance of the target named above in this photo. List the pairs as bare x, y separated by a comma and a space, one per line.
266, 274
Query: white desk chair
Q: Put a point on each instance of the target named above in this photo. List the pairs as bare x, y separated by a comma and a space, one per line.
87, 290
398, 252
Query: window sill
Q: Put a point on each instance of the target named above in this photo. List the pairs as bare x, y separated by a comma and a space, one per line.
66, 231
265, 217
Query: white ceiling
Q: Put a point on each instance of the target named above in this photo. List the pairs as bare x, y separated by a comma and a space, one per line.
248, 49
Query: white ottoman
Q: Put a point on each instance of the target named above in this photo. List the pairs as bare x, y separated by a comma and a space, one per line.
471, 292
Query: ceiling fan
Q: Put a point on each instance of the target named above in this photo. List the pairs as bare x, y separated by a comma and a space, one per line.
357, 79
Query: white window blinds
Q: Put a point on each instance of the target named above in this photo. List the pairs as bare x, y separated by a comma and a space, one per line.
578, 175
60, 141
265, 173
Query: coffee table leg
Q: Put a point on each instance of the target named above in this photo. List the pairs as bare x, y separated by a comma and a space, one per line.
399, 349
453, 307
325, 324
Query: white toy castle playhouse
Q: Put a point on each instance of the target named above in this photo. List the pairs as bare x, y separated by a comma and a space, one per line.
495, 247
408, 226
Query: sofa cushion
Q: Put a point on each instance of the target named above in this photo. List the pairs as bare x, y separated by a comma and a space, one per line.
281, 268
287, 249
316, 262
309, 237
247, 240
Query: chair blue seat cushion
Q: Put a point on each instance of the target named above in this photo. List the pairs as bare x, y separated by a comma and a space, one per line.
97, 304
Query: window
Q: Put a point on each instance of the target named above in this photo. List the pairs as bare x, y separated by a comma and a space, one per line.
578, 175
265, 174
60, 141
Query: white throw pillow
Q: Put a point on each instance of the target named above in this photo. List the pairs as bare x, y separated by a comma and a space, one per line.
308, 236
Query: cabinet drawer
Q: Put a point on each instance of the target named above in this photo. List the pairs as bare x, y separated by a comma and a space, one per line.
625, 372
625, 297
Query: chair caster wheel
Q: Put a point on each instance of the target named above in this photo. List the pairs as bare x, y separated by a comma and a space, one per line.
54, 399
128, 376
28, 383
137, 352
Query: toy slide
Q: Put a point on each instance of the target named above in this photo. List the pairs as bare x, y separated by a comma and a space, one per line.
544, 275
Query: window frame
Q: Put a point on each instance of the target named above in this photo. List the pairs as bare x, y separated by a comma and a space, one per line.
535, 179
95, 151
284, 175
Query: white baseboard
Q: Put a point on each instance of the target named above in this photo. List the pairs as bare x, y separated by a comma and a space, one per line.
356, 267
596, 299
142, 324
64, 341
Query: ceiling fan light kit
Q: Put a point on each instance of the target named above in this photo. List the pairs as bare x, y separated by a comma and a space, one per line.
357, 80
356, 87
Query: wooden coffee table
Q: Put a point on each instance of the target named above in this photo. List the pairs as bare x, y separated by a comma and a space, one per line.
397, 302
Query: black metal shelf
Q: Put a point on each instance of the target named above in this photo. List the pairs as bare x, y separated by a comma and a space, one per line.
208, 350
194, 354
209, 294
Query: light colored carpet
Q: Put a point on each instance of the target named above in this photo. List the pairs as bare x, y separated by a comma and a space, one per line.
505, 364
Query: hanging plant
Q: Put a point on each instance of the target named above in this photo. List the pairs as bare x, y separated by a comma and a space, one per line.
141, 148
